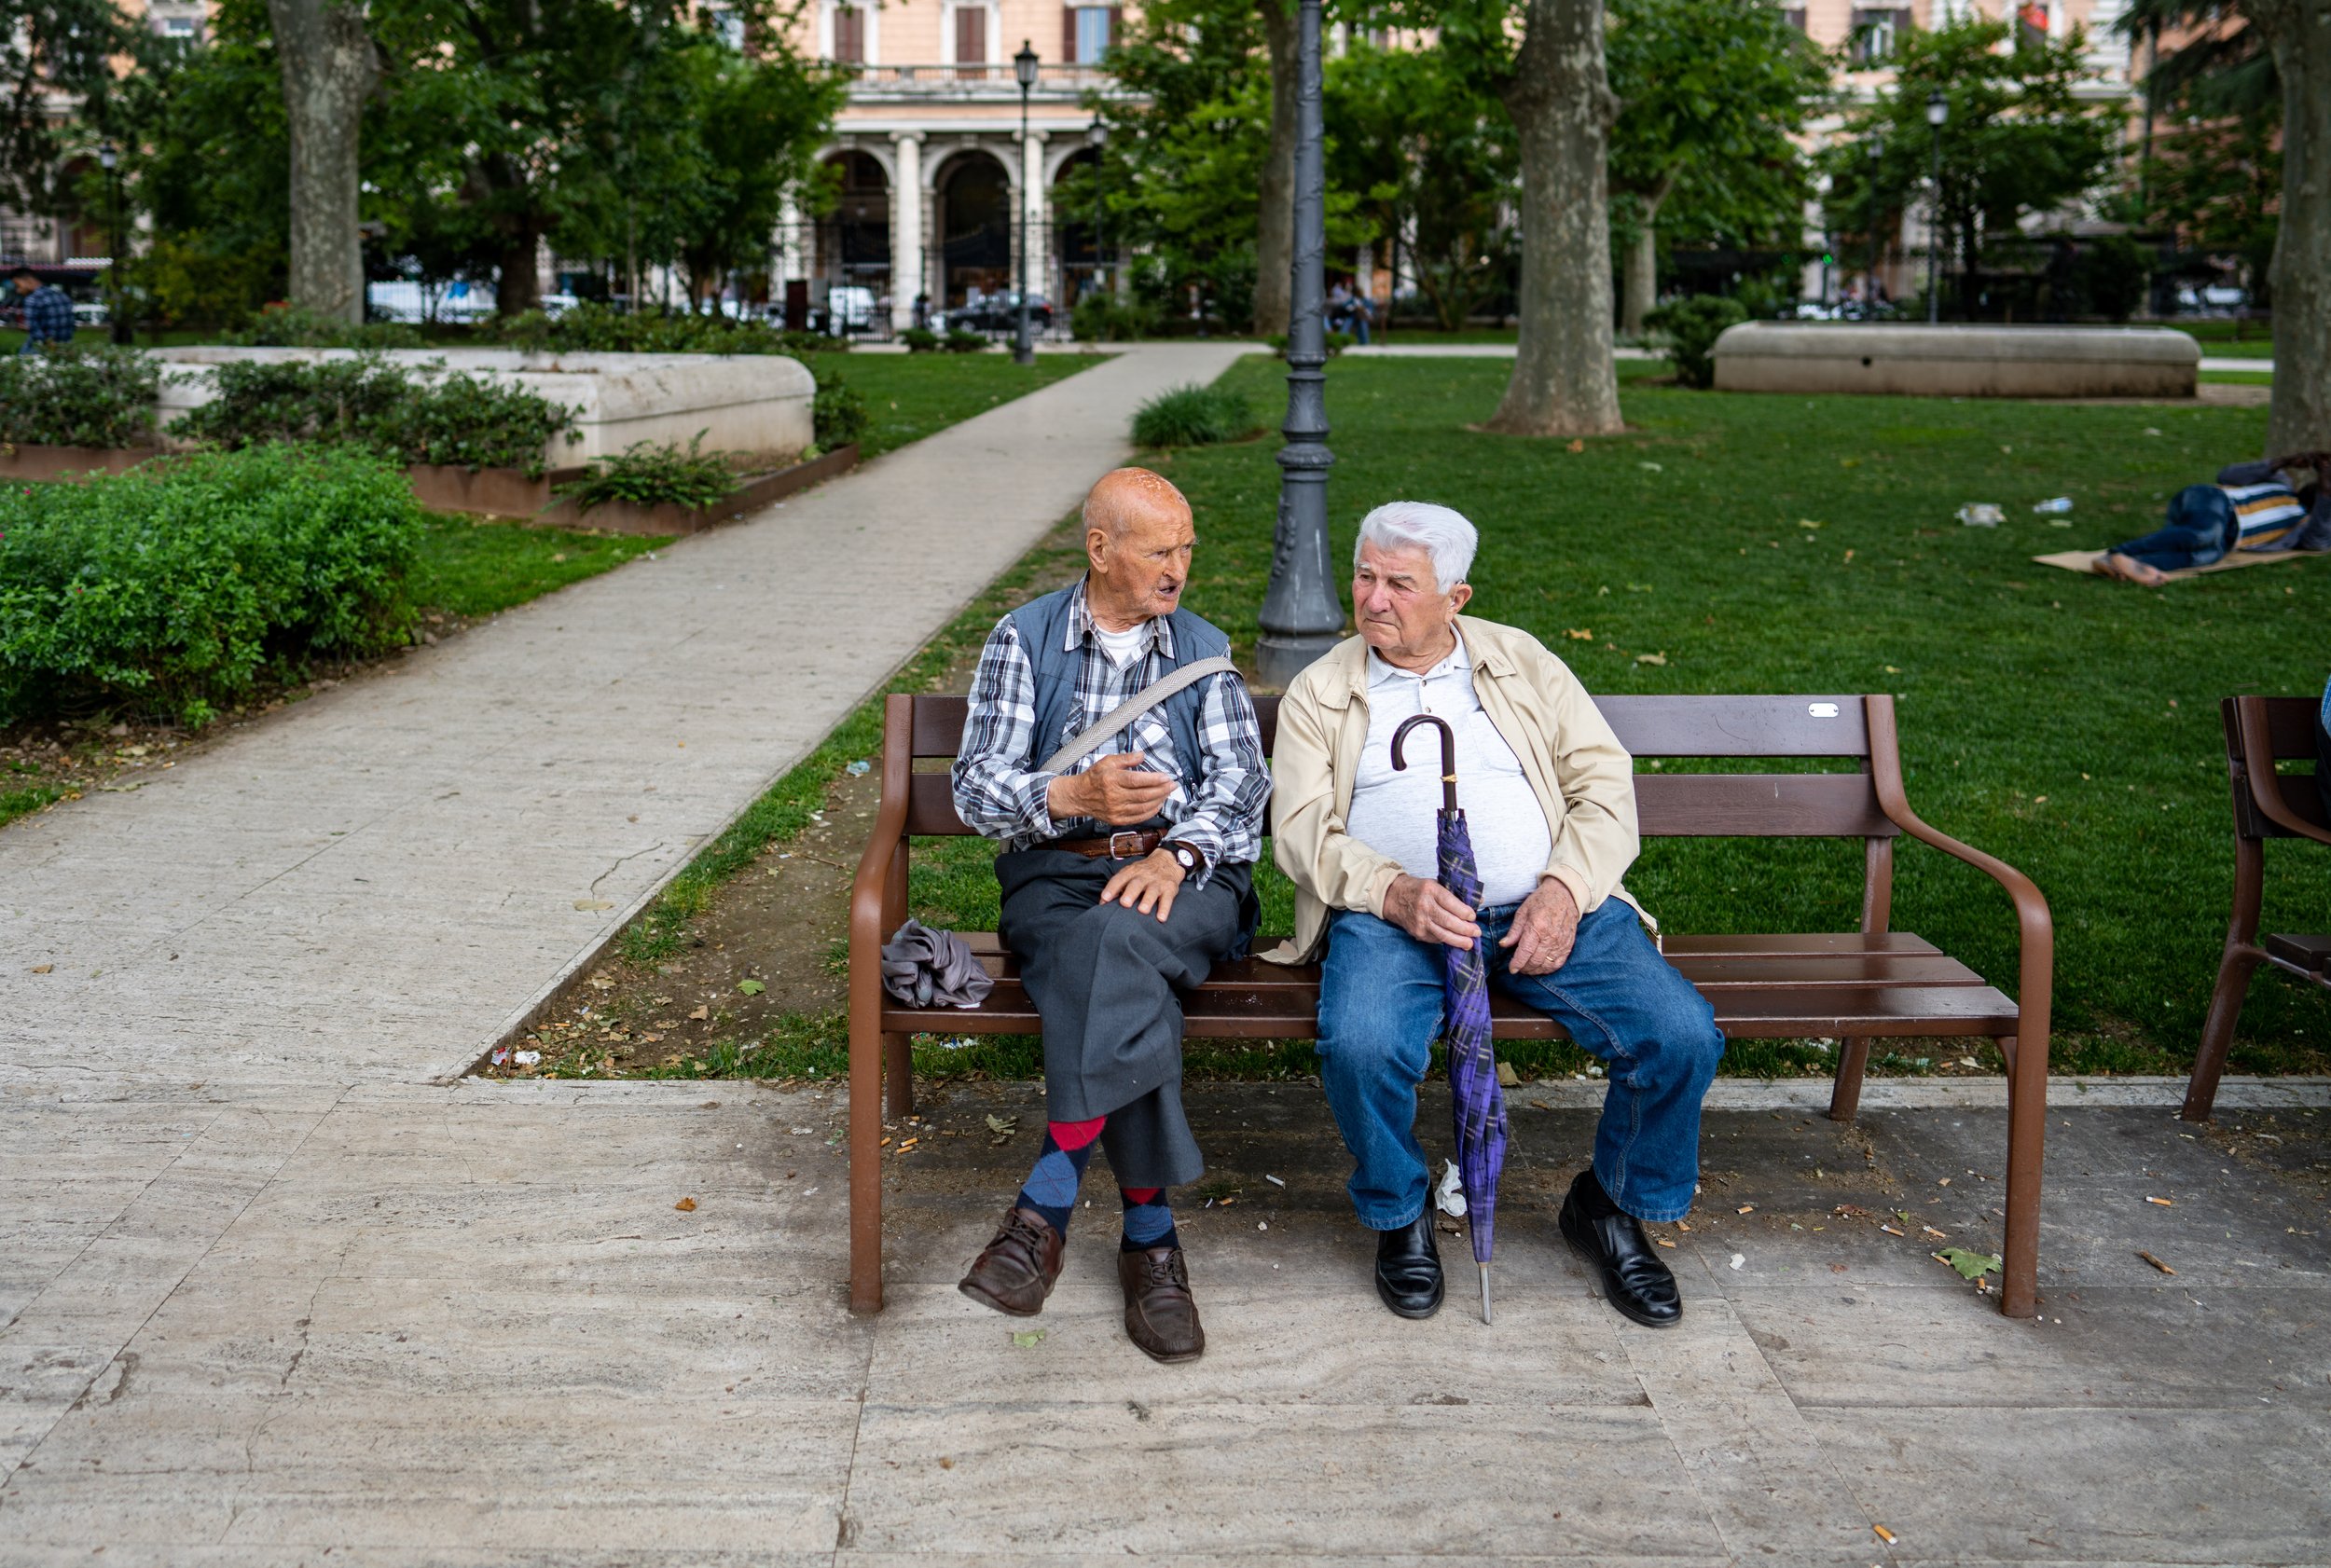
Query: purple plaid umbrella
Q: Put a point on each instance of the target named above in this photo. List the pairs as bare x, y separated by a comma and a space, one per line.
1474, 1093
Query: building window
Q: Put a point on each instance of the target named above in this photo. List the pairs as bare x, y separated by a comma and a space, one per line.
970, 39
849, 34
725, 24
1875, 29
1087, 32
2031, 17
1794, 16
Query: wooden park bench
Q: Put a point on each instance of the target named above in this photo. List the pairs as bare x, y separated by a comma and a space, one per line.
1851, 985
2259, 733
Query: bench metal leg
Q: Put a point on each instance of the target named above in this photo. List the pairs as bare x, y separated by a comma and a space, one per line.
2241, 961
1845, 1094
2027, 1132
898, 1063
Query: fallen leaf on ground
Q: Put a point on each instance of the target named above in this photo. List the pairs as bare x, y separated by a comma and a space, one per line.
687, 1206
1972, 1265
1577, 445
594, 903
1027, 1339
1006, 1125
1506, 1077
43, 969
1650, 658
702, 1013
1579, 634
2154, 1261
750, 987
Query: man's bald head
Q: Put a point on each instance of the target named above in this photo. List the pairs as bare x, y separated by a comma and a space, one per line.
1124, 495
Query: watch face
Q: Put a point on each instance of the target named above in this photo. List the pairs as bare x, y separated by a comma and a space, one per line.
1187, 856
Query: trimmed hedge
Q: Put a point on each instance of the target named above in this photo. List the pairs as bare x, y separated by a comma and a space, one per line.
173, 587
457, 419
79, 397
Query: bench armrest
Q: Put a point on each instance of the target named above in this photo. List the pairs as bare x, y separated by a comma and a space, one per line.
877, 899
2036, 927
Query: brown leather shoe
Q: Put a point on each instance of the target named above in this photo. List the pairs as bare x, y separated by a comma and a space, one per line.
1160, 1315
1016, 1271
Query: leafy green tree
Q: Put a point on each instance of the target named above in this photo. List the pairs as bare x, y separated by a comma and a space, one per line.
1421, 149
2018, 139
1711, 93
50, 46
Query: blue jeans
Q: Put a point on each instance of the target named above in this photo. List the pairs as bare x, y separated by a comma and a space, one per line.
2201, 529
1380, 1010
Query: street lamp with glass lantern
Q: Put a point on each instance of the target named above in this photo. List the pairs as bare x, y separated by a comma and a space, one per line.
1100, 158
109, 159
1937, 111
1024, 70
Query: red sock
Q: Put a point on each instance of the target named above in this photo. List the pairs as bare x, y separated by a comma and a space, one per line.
1075, 1135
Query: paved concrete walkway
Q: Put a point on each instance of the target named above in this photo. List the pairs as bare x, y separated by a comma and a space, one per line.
268, 1291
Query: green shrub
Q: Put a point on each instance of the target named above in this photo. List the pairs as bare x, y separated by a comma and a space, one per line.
1101, 317
173, 587
839, 413
1194, 416
1692, 326
459, 420
2115, 273
919, 340
291, 326
1336, 342
594, 328
79, 397
961, 342
649, 475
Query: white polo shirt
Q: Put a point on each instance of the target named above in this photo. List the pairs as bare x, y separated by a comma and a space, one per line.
1392, 812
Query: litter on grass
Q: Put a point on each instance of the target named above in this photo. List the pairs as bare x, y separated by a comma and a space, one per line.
860, 768
1981, 515
527, 1058
2054, 506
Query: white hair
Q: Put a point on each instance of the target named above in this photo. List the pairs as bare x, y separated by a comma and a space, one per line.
1441, 531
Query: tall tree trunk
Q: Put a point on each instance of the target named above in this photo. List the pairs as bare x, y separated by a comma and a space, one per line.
1641, 282
328, 71
1560, 99
2300, 420
1275, 233
517, 287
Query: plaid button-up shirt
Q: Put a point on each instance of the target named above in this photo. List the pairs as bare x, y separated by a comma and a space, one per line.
1217, 804
47, 316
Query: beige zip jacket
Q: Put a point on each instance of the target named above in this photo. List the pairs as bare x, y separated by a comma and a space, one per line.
1584, 779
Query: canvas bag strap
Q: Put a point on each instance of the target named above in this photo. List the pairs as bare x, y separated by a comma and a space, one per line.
1131, 709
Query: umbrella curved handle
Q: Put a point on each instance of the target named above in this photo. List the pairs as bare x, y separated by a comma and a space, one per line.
1448, 754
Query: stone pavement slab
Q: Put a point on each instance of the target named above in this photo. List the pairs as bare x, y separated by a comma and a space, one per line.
466, 1325
376, 882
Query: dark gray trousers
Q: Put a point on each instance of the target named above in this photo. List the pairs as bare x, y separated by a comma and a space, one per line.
1104, 979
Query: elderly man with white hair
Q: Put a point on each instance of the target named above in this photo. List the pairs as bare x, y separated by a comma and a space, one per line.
1549, 794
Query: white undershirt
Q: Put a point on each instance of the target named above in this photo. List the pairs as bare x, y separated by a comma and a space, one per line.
1121, 646
1392, 813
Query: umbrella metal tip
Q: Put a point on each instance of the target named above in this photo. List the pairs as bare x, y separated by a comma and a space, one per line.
1484, 1269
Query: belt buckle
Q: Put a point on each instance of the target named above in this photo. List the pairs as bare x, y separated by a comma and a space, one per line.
1116, 854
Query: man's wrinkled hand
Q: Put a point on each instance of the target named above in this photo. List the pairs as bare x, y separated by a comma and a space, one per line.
1115, 790
1430, 913
1544, 929
1147, 884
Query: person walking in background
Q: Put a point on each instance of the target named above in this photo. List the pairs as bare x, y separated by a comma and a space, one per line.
48, 311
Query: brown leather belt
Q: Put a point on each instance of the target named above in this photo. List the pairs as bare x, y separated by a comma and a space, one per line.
1116, 846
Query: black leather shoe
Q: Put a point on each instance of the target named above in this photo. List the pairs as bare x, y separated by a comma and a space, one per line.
1635, 1280
1407, 1268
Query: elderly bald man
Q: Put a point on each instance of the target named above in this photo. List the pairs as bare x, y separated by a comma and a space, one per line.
1549, 794
1125, 874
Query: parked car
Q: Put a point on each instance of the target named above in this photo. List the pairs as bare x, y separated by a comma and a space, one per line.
2212, 299
89, 313
848, 308
999, 312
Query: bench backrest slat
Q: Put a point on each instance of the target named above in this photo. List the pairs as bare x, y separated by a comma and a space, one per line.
1669, 804
2284, 729
1648, 726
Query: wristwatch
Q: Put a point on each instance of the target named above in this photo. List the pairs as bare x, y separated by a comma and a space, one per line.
1189, 859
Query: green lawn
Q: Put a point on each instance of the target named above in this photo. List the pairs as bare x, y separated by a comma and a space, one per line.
912, 395
1776, 544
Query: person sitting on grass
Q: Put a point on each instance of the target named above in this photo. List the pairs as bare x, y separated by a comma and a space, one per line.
2252, 506
1124, 876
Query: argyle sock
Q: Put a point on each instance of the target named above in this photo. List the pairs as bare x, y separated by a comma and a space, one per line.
1052, 1186
1149, 1220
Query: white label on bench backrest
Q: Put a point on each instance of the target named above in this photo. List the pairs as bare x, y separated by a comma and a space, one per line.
1822, 710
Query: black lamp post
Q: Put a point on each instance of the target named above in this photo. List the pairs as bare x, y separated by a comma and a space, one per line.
1301, 617
1024, 68
1101, 163
1869, 303
1937, 110
109, 159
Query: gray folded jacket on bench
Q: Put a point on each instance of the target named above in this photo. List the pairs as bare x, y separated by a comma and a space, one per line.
920, 966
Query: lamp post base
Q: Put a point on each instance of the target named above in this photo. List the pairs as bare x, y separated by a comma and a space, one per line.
1279, 659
